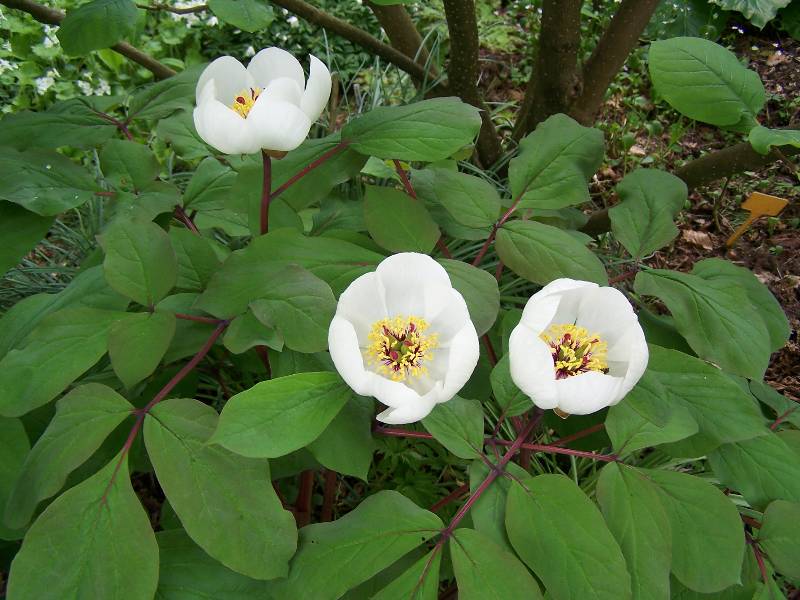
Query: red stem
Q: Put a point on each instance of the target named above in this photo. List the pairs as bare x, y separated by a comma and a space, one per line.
404, 433
759, 557
119, 124
264, 356
181, 215
623, 276
578, 435
329, 496
454, 495
209, 320
304, 496
266, 188
782, 418
492, 355
498, 272
442, 246
485, 248
311, 166
401, 172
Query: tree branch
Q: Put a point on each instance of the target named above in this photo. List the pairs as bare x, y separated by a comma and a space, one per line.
402, 32
462, 72
51, 16
555, 81
612, 50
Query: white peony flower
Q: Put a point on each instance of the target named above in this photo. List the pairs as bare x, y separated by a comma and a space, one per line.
578, 347
403, 335
269, 105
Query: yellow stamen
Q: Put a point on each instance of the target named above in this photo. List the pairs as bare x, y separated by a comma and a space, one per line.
245, 100
400, 346
574, 350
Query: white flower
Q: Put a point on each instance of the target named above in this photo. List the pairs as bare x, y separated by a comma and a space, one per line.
578, 347
44, 83
269, 105
403, 335
85, 87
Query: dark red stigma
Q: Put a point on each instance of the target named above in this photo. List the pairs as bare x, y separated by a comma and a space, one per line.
240, 99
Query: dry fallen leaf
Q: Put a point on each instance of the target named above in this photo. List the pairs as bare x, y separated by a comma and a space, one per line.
698, 238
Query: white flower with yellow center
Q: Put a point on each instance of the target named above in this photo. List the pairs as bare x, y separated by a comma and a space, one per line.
578, 347
403, 335
269, 105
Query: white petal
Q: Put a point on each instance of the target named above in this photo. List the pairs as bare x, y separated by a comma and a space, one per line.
588, 392
542, 307
408, 413
230, 78
606, 311
463, 357
272, 63
413, 282
346, 356
318, 89
278, 125
635, 347
284, 89
362, 304
532, 368
222, 128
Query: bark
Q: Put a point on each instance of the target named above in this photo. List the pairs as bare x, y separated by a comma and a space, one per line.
402, 32
462, 73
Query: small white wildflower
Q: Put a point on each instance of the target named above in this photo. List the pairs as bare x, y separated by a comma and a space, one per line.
102, 89
293, 21
43, 84
85, 87
250, 51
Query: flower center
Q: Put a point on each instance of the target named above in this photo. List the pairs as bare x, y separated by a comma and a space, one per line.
574, 350
399, 347
245, 100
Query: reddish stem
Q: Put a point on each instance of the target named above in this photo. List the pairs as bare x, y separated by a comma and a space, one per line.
181, 215
454, 495
442, 246
329, 496
264, 356
403, 433
485, 248
304, 496
759, 557
106, 194
209, 320
266, 188
782, 418
401, 172
578, 435
557, 450
491, 354
123, 127
623, 276
311, 166
498, 272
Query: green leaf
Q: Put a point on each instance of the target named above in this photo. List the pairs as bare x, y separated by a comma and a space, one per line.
762, 139
704, 81
630, 431
762, 469
179, 132
14, 447
20, 231
246, 332
780, 404
758, 12
186, 572
489, 511
427, 131
511, 399
137, 343
83, 419
708, 313
43, 181
198, 259
458, 426
225, 502
209, 186
93, 541
398, 222
561, 536
248, 15
163, 98
479, 289
279, 416
644, 221
69, 123
485, 570
128, 164
790, 19
638, 521
64, 346
471, 201
555, 163
420, 582
346, 445
693, 18
541, 253
780, 530
334, 557
95, 25
139, 261
707, 540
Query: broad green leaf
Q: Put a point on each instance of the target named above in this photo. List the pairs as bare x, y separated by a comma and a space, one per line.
762, 139
790, 19
209, 186
511, 399
20, 231
420, 582
428, 131
485, 570
762, 469
93, 541
128, 164
245, 202
758, 12
630, 431
186, 572
143, 205
246, 331
555, 163
638, 521
479, 289
69, 123
198, 259
541, 253
225, 502
644, 221
334, 557
137, 343
693, 18
398, 222
83, 419
561, 536
163, 98
346, 445
139, 261
707, 539
14, 447
779, 535
248, 15
43, 181
705, 81
63, 347
279, 416
489, 511
764, 305
458, 425
179, 132
709, 314
783, 406
471, 201
95, 25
